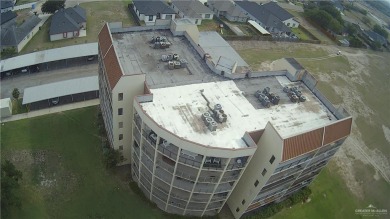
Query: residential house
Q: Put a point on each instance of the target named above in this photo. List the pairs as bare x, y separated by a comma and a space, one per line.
228, 10
68, 23
17, 36
194, 10
375, 37
153, 12
7, 16
283, 15
7, 5
263, 17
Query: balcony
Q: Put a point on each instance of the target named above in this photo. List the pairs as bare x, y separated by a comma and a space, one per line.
210, 212
204, 187
163, 174
149, 137
168, 150
231, 176
160, 194
237, 163
148, 150
136, 149
177, 202
279, 183
137, 135
147, 162
160, 204
215, 205
191, 159
180, 194
214, 163
186, 172
183, 184
209, 176
219, 196
196, 213
137, 121
145, 190
199, 197
173, 209
224, 187
196, 206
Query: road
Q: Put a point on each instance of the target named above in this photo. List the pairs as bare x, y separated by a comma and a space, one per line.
23, 81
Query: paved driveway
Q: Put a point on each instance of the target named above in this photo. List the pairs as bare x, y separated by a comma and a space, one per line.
29, 80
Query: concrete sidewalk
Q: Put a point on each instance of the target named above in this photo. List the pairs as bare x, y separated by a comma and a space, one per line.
51, 110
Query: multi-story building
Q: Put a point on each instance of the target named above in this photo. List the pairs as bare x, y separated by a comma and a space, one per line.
196, 140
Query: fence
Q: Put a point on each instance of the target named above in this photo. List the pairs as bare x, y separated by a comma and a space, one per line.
115, 29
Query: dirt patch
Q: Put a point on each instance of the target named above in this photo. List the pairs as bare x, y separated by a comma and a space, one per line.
386, 132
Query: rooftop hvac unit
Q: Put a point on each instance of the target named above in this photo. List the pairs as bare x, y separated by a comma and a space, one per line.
275, 100
157, 39
298, 93
157, 45
257, 94
163, 39
205, 115
286, 89
175, 57
293, 98
266, 90
222, 118
177, 64
217, 107
212, 126
302, 98
209, 120
266, 103
166, 58
171, 65
183, 63
271, 96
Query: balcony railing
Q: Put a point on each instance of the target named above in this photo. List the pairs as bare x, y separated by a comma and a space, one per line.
196, 206
137, 121
175, 209
147, 162
200, 197
237, 163
219, 197
163, 175
137, 135
185, 175
215, 205
183, 184
195, 161
169, 151
204, 188
224, 187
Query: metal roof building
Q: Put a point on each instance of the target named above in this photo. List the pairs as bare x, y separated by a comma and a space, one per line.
68, 52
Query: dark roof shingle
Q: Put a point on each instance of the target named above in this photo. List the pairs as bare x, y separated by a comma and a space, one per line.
278, 11
7, 16
67, 20
152, 7
13, 34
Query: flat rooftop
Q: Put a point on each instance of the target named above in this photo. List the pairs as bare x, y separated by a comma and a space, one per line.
136, 55
179, 109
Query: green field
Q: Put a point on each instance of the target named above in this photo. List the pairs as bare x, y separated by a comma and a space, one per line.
97, 15
60, 156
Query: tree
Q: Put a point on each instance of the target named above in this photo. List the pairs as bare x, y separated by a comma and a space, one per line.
10, 177
355, 42
112, 157
15, 93
8, 52
51, 6
379, 30
366, 20
351, 29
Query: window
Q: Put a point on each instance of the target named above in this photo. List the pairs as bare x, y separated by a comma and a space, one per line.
121, 148
288, 24
120, 111
151, 18
65, 35
272, 159
264, 172
293, 25
120, 96
120, 125
120, 136
256, 183
238, 209
168, 17
207, 15
243, 201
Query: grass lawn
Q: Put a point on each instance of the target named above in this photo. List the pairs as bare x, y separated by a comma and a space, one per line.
97, 15
213, 25
330, 199
301, 35
60, 156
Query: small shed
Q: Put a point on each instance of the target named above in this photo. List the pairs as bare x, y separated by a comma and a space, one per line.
6, 107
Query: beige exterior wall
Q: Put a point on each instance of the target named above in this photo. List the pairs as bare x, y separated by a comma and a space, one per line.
269, 144
130, 86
